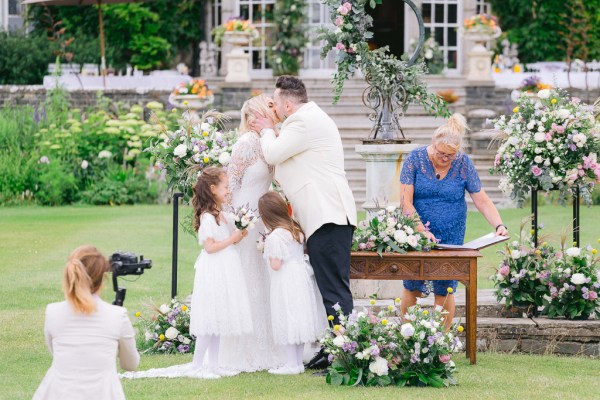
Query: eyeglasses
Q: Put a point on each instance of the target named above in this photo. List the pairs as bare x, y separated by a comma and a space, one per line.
445, 156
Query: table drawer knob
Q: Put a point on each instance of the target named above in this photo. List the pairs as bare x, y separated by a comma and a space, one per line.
394, 268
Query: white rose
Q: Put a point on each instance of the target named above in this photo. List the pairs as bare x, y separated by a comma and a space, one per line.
339, 340
574, 251
556, 160
407, 330
204, 126
185, 340
379, 366
400, 236
578, 279
515, 254
84, 164
409, 230
544, 94
148, 336
412, 240
563, 113
171, 333
547, 162
429, 54
180, 150
224, 158
539, 136
538, 159
391, 209
531, 125
499, 277
164, 309
538, 150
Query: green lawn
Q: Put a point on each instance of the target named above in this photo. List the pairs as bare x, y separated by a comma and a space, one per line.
36, 241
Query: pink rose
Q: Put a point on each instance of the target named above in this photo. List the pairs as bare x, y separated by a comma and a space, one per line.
537, 171
497, 160
444, 358
505, 270
339, 21
593, 295
348, 5
343, 10
340, 46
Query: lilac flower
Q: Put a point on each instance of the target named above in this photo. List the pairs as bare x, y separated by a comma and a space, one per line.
330, 358
414, 358
183, 348
518, 154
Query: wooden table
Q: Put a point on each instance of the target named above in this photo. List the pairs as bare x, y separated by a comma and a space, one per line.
434, 265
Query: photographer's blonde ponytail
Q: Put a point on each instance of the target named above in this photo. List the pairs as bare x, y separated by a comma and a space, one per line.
452, 132
82, 277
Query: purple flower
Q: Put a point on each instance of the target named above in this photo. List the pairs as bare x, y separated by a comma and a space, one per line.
431, 340
518, 154
183, 348
414, 358
537, 171
330, 358
572, 147
375, 351
585, 296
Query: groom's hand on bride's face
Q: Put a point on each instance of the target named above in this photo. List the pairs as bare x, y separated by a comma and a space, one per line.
261, 122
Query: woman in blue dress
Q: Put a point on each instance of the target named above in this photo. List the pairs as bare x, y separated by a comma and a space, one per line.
432, 184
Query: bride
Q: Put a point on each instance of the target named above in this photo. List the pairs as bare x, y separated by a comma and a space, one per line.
249, 178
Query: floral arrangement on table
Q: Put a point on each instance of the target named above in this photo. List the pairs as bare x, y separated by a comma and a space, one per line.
197, 87
195, 145
167, 331
244, 217
286, 54
375, 350
574, 285
233, 24
520, 276
391, 76
390, 230
482, 23
431, 53
533, 85
549, 144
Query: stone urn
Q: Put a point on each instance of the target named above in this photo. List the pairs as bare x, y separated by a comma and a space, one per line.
238, 61
480, 58
191, 101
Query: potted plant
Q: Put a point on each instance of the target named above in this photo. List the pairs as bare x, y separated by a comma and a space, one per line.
195, 94
236, 31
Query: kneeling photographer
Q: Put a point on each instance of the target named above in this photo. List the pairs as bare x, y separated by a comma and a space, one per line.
85, 334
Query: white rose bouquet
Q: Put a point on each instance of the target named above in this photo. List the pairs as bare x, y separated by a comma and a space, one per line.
168, 331
548, 144
245, 218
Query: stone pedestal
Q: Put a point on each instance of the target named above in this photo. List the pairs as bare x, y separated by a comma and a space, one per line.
384, 164
480, 58
238, 61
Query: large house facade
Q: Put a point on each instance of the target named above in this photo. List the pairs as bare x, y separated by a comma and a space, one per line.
11, 15
394, 25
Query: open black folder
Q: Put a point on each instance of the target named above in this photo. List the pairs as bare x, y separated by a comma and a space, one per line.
477, 244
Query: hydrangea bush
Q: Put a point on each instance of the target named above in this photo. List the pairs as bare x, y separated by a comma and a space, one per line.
548, 144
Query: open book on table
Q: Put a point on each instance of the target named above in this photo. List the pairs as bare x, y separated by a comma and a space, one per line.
477, 244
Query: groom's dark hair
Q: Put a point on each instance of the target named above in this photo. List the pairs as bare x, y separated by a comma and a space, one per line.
291, 86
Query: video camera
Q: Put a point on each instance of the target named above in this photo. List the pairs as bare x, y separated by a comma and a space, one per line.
124, 263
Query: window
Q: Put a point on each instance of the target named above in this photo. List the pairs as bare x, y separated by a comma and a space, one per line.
317, 14
14, 7
442, 20
483, 7
260, 13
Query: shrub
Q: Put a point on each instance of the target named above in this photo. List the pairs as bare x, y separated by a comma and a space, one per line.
24, 59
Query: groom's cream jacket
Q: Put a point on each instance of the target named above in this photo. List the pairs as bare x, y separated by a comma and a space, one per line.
309, 165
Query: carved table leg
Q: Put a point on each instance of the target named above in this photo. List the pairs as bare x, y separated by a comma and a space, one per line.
472, 312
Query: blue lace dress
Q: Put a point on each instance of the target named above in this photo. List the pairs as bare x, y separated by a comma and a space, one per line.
441, 202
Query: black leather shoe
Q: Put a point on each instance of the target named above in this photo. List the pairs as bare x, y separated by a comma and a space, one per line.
319, 361
322, 372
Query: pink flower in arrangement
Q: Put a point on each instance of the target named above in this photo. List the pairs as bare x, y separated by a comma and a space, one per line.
340, 46
350, 50
575, 100
537, 171
344, 9
497, 160
505, 270
339, 21
445, 358
590, 162
593, 295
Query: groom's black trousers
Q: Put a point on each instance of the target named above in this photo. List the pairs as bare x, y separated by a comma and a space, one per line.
329, 251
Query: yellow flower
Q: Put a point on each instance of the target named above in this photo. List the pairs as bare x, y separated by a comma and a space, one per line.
185, 103
450, 290
545, 244
553, 101
460, 328
425, 312
598, 240
183, 308
397, 301
390, 308
336, 328
575, 244
517, 68
538, 252
516, 109
373, 302
138, 314
161, 337
174, 110
206, 159
384, 322
594, 251
532, 231
205, 133
330, 318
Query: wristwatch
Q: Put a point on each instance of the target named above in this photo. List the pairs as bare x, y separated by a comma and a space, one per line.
499, 225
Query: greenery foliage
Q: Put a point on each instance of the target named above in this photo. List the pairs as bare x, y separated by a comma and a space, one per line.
286, 54
541, 28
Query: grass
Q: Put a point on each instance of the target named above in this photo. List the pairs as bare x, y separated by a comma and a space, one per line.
36, 241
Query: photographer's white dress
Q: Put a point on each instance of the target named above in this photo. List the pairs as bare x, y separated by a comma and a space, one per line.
249, 178
220, 297
296, 306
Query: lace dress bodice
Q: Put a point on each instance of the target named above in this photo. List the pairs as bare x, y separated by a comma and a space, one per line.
441, 202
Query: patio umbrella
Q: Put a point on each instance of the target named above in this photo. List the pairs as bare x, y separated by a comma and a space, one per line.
99, 3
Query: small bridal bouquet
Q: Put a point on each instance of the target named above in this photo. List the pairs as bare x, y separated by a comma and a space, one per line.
245, 218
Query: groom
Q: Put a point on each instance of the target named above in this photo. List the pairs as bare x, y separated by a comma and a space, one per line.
309, 165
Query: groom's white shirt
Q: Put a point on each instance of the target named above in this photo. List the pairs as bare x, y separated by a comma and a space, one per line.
309, 165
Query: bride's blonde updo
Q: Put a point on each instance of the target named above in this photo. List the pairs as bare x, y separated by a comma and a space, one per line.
260, 104
451, 133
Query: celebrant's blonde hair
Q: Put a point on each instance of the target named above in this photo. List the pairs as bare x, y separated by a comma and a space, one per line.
451, 133
260, 104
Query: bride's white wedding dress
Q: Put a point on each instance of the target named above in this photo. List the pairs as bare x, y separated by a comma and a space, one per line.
249, 178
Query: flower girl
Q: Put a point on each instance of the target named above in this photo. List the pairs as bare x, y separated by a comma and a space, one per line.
220, 298
297, 312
